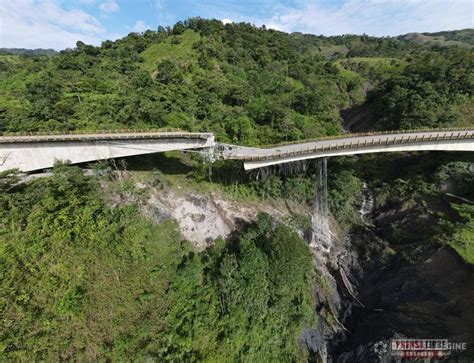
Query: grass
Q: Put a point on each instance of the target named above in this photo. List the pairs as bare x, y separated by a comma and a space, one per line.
183, 51
10, 59
442, 40
464, 243
466, 109
377, 64
463, 238
328, 51
358, 70
348, 74
183, 173
376, 60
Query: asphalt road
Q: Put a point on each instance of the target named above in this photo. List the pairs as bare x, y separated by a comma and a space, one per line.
353, 141
104, 136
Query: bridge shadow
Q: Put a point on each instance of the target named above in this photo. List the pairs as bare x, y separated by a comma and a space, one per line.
169, 163
192, 165
231, 172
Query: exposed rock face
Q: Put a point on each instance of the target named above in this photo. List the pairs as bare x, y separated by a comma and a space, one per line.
198, 217
369, 293
336, 294
407, 289
429, 299
203, 218
365, 292
357, 118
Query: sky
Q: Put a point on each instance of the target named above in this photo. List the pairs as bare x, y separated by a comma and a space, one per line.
59, 24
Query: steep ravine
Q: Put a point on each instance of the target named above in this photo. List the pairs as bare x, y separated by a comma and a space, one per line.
367, 291
402, 290
427, 296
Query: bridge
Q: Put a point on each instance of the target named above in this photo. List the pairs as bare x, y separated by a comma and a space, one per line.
36, 152
432, 140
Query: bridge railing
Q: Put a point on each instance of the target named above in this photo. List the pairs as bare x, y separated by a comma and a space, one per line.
88, 132
363, 134
167, 129
435, 135
101, 135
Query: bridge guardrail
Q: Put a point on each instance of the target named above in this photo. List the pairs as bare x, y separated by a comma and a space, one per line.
446, 135
143, 132
106, 135
362, 134
82, 132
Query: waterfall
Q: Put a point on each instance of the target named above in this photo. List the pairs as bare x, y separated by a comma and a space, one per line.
321, 235
367, 200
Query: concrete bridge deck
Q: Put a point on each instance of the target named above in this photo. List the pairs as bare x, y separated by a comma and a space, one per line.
35, 152
129, 135
442, 140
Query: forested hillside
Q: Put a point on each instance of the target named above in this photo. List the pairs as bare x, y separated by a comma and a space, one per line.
88, 273
464, 37
82, 281
248, 85
28, 52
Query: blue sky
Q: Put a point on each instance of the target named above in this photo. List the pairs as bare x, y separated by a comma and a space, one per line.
59, 24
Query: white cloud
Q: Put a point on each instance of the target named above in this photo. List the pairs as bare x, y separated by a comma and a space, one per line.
45, 24
86, 2
226, 21
139, 27
374, 17
109, 7
160, 4
163, 14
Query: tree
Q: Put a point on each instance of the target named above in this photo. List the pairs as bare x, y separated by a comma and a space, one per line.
167, 72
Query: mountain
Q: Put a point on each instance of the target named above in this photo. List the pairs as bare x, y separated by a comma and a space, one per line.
168, 257
28, 52
464, 37
246, 84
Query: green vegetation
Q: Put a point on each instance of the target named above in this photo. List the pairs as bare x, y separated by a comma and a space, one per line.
459, 233
246, 84
344, 185
85, 282
426, 93
464, 37
462, 234
429, 200
28, 52
178, 50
